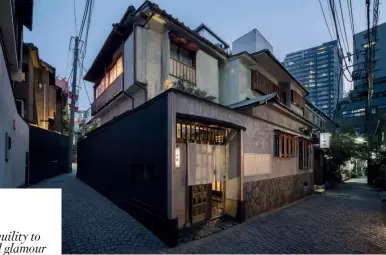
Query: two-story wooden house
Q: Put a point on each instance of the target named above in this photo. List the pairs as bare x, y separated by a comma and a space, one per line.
173, 159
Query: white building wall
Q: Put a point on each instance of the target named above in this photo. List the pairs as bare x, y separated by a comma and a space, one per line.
251, 42
229, 82
207, 74
12, 173
128, 62
120, 105
245, 80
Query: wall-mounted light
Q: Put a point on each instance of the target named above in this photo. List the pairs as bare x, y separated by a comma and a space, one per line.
178, 158
40, 86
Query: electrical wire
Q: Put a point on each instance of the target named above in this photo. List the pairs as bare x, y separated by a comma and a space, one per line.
325, 20
75, 18
84, 85
85, 13
339, 42
68, 57
336, 19
87, 16
349, 5
344, 25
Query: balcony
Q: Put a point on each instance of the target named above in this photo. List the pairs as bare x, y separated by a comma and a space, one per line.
182, 71
108, 95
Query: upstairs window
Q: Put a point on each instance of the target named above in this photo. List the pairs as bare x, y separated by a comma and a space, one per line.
115, 71
183, 55
297, 99
264, 85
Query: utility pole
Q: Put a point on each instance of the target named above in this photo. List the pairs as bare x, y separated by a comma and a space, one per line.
73, 91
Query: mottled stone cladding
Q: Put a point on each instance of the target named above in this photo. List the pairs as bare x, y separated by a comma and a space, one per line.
265, 195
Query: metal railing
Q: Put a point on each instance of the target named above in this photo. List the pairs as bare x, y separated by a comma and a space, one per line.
114, 89
181, 70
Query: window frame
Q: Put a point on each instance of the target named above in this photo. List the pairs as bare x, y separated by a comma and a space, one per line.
284, 145
179, 58
104, 83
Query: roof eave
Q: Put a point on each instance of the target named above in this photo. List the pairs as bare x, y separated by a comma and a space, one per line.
269, 53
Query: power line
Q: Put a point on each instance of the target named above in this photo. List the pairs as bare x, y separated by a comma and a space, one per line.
332, 8
85, 14
336, 19
349, 5
344, 25
84, 84
325, 20
68, 57
75, 17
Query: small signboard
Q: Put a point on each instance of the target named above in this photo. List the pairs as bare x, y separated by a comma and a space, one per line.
178, 158
325, 140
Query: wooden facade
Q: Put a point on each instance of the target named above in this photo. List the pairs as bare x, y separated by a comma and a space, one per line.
264, 85
297, 99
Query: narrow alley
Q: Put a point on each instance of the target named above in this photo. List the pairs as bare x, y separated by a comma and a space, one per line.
347, 219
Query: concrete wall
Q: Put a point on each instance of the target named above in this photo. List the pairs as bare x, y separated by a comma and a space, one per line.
229, 82
235, 82
245, 82
12, 172
128, 62
207, 74
149, 60
120, 105
251, 42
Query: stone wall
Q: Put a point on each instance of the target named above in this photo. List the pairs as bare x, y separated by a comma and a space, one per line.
265, 195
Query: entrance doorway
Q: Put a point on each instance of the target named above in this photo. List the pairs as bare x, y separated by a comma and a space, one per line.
218, 184
205, 170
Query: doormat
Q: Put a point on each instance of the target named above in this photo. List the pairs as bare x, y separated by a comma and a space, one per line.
206, 229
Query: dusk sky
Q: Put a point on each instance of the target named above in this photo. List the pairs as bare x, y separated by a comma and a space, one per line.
289, 25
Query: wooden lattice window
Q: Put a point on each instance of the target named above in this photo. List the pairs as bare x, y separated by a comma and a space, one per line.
284, 145
200, 133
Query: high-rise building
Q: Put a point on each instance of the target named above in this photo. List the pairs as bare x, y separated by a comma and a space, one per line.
352, 110
318, 69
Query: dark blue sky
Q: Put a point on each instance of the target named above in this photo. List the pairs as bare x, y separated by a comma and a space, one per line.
289, 25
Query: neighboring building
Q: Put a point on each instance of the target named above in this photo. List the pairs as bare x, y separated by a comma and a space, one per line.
319, 70
38, 99
325, 125
207, 33
14, 131
253, 131
352, 109
251, 42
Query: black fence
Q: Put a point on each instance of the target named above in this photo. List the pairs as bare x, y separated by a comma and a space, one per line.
48, 154
126, 161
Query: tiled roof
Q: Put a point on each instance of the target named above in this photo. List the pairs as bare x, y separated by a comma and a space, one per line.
254, 101
154, 7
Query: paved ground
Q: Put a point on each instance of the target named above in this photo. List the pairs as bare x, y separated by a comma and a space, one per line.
348, 219
92, 224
